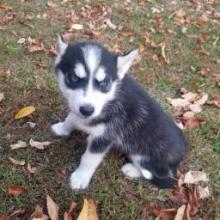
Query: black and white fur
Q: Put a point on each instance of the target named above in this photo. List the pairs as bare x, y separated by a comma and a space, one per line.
115, 111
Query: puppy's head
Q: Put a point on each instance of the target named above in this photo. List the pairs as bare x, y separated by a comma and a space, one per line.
88, 75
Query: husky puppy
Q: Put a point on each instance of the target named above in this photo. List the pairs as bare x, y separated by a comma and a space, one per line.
114, 110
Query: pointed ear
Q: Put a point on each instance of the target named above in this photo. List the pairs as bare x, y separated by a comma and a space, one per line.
61, 44
125, 62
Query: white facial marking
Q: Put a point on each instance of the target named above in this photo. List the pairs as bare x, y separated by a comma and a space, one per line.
92, 55
100, 74
125, 62
80, 70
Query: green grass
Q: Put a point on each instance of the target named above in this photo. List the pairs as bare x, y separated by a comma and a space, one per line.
116, 196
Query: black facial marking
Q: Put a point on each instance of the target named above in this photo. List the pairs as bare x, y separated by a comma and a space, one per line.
72, 81
74, 55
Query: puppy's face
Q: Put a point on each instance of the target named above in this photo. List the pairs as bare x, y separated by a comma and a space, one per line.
88, 76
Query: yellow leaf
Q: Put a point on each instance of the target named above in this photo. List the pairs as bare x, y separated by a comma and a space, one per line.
88, 211
52, 208
24, 112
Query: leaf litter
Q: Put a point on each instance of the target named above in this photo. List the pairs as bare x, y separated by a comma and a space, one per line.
192, 187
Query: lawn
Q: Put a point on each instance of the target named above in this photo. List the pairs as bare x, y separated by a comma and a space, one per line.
189, 33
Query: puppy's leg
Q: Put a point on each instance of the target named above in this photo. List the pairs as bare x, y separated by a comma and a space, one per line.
95, 152
64, 128
131, 170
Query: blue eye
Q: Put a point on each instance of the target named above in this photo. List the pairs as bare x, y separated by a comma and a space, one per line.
104, 85
72, 77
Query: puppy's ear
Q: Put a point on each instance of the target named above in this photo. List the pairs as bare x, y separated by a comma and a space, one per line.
61, 44
125, 62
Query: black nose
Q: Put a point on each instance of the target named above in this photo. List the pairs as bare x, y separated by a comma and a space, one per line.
86, 110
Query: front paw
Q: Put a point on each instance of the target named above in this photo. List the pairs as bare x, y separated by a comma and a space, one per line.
79, 179
58, 129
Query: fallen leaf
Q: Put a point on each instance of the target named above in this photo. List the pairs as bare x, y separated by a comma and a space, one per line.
1, 96
24, 112
39, 145
202, 100
15, 190
17, 162
52, 208
76, 27
164, 213
189, 96
180, 12
189, 114
69, 215
194, 122
215, 101
4, 20
194, 177
5, 7
178, 102
110, 24
180, 212
38, 214
19, 211
164, 55
31, 169
21, 40
51, 4
29, 17
5, 217
203, 192
196, 108
88, 211
19, 144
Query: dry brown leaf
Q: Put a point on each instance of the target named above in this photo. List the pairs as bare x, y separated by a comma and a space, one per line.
190, 96
76, 27
181, 12
21, 40
19, 211
194, 177
196, 108
19, 144
202, 20
5, 217
187, 115
215, 101
164, 55
24, 112
29, 17
202, 100
51, 4
38, 214
39, 145
178, 102
5, 7
53, 208
17, 162
180, 212
217, 78
164, 213
88, 211
15, 190
31, 169
4, 20
203, 192
194, 122
1, 96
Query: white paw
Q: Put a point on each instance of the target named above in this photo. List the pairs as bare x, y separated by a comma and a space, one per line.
131, 171
146, 174
79, 179
58, 129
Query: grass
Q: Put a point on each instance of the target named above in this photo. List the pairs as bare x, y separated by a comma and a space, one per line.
117, 197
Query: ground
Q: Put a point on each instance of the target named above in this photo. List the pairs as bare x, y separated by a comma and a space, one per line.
192, 50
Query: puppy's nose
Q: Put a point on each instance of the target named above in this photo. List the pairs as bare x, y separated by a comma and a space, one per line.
86, 110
